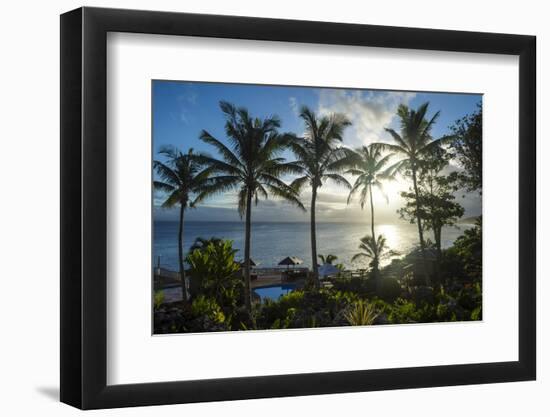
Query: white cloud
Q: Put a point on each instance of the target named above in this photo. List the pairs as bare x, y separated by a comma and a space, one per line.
293, 102
186, 100
370, 112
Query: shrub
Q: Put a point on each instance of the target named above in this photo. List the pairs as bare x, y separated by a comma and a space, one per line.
361, 286
390, 289
208, 308
158, 299
213, 273
361, 314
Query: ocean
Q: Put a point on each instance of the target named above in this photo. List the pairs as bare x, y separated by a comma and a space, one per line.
271, 242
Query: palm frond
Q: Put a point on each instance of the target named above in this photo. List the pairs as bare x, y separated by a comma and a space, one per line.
339, 180
226, 153
162, 186
299, 183
287, 196
166, 173
173, 199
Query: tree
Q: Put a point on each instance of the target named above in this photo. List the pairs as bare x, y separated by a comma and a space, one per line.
370, 168
435, 205
469, 247
413, 142
182, 177
212, 269
437, 208
320, 159
467, 147
376, 250
251, 164
329, 259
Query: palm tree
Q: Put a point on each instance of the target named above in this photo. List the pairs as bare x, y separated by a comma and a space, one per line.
370, 169
376, 250
413, 143
320, 159
182, 177
252, 164
329, 259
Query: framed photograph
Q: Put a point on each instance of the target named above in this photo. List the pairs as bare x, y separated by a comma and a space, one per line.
259, 208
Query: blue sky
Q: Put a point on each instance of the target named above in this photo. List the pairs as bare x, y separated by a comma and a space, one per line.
182, 109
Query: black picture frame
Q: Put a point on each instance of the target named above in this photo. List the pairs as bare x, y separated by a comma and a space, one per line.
84, 207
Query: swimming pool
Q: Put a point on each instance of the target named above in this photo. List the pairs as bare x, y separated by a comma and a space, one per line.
273, 292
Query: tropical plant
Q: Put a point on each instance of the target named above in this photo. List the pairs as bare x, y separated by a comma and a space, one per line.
182, 177
469, 247
202, 243
413, 142
251, 163
207, 307
158, 299
361, 314
329, 259
213, 273
370, 169
320, 158
376, 250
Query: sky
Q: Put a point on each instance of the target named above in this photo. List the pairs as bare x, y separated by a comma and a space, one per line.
181, 110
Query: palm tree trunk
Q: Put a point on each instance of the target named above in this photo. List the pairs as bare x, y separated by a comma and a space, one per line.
420, 231
314, 236
247, 299
376, 267
371, 213
437, 238
184, 294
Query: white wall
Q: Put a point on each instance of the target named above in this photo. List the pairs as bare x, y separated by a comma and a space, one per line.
29, 237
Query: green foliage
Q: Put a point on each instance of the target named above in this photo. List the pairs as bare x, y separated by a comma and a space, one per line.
376, 250
214, 274
201, 243
302, 309
207, 307
158, 299
361, 286
182, 176
251, 163
406, 311
468, 248
361, 313
389, 289
467, 149
434, 202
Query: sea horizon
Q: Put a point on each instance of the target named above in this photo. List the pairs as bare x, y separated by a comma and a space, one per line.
272, 241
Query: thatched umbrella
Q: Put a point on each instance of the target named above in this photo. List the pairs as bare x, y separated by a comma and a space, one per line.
291, 260
252, 263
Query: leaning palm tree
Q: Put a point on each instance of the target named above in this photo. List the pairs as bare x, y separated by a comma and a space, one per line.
414, 142
251, 164
182, 177
376, 250
370, 169
320, 158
